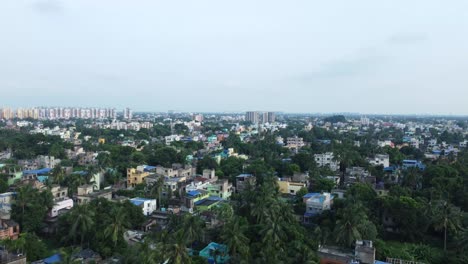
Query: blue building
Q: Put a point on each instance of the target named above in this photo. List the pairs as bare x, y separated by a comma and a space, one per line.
213, 249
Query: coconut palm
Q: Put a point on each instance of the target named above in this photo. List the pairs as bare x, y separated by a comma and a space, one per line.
446, 217
233, 235
82, 216
176, 250
192, 228
58, 174
118, 224
24, 197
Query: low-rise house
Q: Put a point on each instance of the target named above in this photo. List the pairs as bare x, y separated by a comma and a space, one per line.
191, 198
364, 253
407, 164
6, 200
287, 186
137, 175
243, 180
7, 257
207, 203
9, 229
358, 174
221, 188
60, 207
86, 194
316, 203
380, 159
208, 251
148, 206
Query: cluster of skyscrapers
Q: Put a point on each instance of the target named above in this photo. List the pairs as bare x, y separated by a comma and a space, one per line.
57, 113
257, 117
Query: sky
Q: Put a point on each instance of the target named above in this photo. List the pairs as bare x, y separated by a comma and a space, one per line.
364, 56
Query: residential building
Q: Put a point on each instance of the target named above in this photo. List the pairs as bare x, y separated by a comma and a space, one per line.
7, 257
136, 176
316, 203
358, 174
148, 206
380, 159
221, 258
327, 160
9, 229
60, 207
192, 197
295, 142
289, 187
243, 180
86, 194
6, 200
413, 164
221, 188
252, 116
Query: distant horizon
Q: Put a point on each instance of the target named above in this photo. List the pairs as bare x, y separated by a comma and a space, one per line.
137, 111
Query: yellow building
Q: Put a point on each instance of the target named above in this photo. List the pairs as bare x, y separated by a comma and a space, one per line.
289, 186
136, 176
102, 141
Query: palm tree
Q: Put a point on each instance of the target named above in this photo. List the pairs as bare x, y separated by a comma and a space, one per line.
233, 235
83, 222
24, 197
176, 250
119, 223
192, 228
446, 217
350, 224
66, 256
155, 189
58, 174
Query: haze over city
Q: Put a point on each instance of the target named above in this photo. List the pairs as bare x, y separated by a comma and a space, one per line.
398, 57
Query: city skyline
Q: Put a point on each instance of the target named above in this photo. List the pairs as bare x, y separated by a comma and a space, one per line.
303, 58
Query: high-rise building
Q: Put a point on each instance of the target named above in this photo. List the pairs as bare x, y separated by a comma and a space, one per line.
127, 113
252, 116
271, 117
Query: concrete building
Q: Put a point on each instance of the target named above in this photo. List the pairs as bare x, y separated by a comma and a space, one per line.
295, 142
327, 159
136, 176
221, 188
380, 159
243, 180
252, 116
289, 187
9, 229
86, 194
148, 206
316, 203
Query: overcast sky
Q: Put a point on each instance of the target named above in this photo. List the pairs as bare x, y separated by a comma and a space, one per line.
370, 56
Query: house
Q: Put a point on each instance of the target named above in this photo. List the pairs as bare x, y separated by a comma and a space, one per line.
148, 206
207, 203
9, 229
60, 206
358, 174
136, 175
316, 203
209, 253
243, 180
221, 188
6, 200
364, 253
7, 257
380, 159
86, 194
294, 142
326, 160
413, 164
289, 187
192, 197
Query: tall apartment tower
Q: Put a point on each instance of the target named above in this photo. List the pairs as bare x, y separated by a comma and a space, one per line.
271, 117
252, 116
127, 113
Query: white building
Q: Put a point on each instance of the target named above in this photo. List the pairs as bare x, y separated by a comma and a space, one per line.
380, 159
6, 200
326, 159
65, 204
316, 203
294, 142
148, 206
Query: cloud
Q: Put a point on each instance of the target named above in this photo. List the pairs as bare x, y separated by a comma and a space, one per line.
48, 6
345, 67
407, 38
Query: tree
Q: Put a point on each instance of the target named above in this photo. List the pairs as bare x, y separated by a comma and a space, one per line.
119, 223
58, 174
234, 236
192, 228
176, 249
446, 217
83, 222
352, 225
